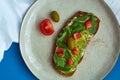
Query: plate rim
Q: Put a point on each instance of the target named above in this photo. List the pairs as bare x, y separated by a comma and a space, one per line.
20, 45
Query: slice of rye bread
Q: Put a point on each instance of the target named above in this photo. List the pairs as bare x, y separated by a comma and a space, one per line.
66, 23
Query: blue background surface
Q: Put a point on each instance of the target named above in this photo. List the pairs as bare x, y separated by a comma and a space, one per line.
13, 67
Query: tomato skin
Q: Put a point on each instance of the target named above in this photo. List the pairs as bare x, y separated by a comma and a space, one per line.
88, 24
76, 35
60, 51
69, 62
61, 55
75, 51
46, 27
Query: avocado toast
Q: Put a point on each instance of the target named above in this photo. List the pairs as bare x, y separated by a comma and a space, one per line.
72, 40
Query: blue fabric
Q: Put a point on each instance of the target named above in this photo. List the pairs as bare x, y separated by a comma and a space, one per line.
115, 73
13, 67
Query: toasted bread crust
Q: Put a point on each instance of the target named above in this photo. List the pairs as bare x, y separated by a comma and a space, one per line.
66, 23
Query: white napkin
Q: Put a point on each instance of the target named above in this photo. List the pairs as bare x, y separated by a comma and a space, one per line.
11, 15
115, 6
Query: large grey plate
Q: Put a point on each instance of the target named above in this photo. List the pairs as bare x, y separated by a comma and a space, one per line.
100, 55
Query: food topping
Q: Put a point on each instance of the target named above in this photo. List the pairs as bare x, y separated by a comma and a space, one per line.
46, 27
75, 51
59, 50
76, 35
61, 55
88, 24
70, 62
71, 43
55, 16
67, 38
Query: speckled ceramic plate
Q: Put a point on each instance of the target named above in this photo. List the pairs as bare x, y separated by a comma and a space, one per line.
100, 55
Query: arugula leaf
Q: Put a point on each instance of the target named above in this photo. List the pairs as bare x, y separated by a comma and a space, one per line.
65, 68
83, 18
94, 25
60, 40
68, 30
61, 44
80, 27
62, 36
59, 60
67, 54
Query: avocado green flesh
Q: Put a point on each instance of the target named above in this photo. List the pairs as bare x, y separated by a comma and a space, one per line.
76, 25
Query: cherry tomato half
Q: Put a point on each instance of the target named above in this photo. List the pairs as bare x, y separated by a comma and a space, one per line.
46, 27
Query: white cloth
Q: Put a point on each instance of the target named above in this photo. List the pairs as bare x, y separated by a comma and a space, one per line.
11, 15
115, 6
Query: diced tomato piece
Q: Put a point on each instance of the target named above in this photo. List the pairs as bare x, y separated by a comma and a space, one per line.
61, 55
46, 27
76, 35
59, 50
88, 24
75, 51
70, 62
